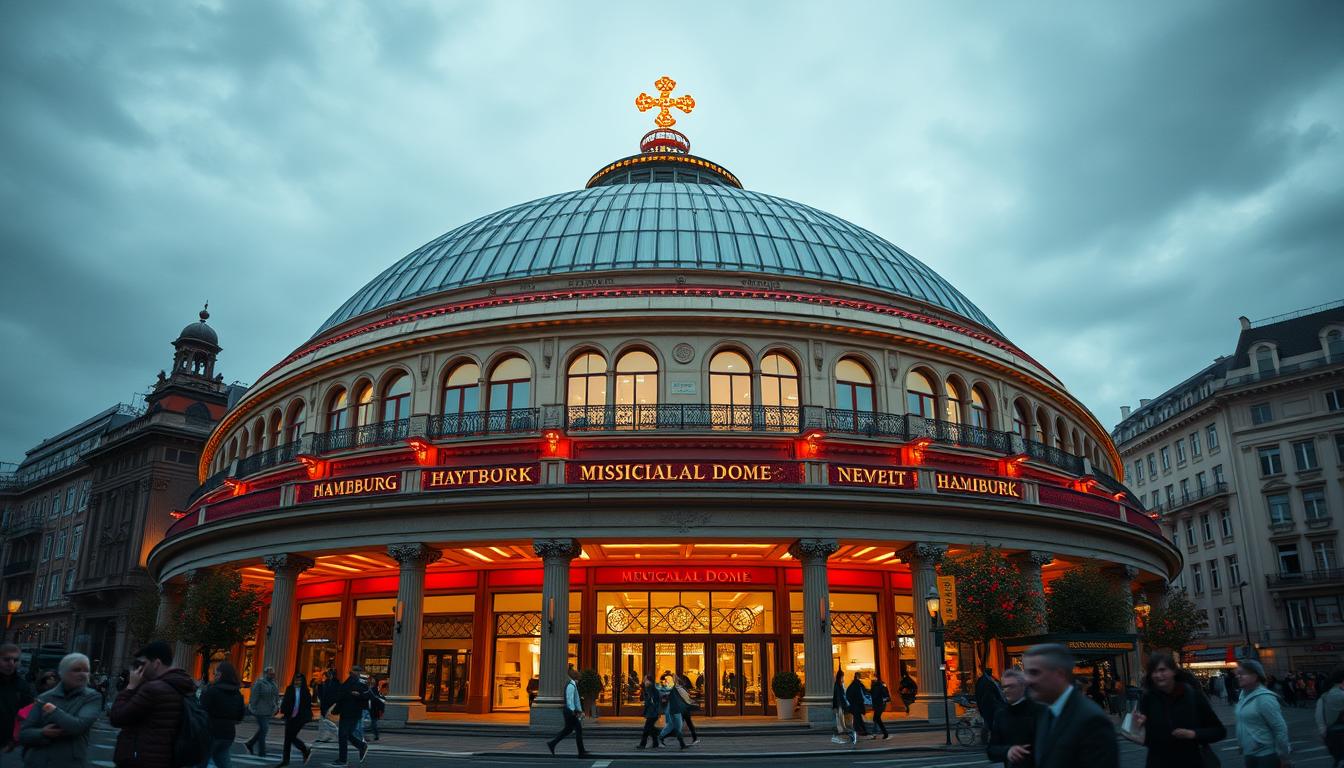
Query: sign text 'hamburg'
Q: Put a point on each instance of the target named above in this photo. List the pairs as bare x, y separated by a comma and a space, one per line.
975, 485
452, 478
368, 485
681, 472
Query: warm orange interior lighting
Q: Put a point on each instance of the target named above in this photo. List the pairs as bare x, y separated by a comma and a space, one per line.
501, 552
583, 554
884, 556
732, 546
476, 554
641, 546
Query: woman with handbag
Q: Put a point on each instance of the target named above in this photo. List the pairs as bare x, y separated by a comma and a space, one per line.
1177, 721
840, 705
296, 707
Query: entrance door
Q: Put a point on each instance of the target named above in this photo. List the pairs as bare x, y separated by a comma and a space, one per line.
444, 686
621, 667
743, 670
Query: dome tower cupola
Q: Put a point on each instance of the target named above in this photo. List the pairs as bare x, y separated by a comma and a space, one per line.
196, 348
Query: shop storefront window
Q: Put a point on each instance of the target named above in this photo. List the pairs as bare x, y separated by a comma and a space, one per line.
446, 639
685, 613
319, 632
518, 623
853, 620
373, 635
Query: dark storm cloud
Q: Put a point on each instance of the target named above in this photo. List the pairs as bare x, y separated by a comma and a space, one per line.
1112, 184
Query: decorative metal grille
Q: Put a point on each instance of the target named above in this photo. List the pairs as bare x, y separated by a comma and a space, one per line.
319, 630
378, 433
518, 624
485, 422
375, 629
853, 623
683, 416
905, 624
448, 627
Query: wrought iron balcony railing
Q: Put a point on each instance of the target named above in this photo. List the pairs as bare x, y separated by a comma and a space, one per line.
1329, 576
364, 436
268, 458
23, 525
1199, 494
19, 567
683, 417
512, 421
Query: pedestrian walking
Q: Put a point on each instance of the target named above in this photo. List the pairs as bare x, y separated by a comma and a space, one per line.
222, 700
1330, 715
692, 706
840, 705
377, 706
45, 682
329, 691
1262, 733
1073, 731
907, 688
1178, 723
1014, 728
296, 709
351, 702
678, 701
573, 714
988, 698
653, 709
148, 709
55, 733
856, 695
15, 694
881, 698
262, 704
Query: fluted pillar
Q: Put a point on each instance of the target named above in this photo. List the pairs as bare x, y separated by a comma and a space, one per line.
817, 666
280, 647
184, 656
1125, 576
1030, 564
555, 555
923, 559
403, 699
170, 607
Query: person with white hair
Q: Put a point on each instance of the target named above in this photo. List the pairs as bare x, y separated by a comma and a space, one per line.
56, 731
1014, 729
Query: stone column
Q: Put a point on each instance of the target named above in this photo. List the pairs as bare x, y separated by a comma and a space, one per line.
170, 605
279, 646
923, 559
1030, 564
184, 656
555, 555
1125, 576
819, 672
403, 698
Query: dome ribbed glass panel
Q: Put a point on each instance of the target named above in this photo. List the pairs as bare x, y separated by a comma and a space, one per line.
664, 226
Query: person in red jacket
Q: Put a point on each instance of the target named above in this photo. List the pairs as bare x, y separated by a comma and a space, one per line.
148, 710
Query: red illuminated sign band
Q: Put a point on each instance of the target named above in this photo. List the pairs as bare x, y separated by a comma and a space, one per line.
369, 485
699, 575
452, 478
681, 472
873, 477
975, 485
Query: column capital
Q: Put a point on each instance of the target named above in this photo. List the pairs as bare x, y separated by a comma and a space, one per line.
413, 554
556, 549
1126, 573
813, 549
1036, 557
288, 562
923, 554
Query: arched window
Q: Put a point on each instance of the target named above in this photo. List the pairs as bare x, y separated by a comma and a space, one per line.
338, 410
1264, 360
397, 398
258, 435
511, 388
294, 422
854, 387
1042, 426
1334, 346
730, 390
365, 412
636, 389
1021, 420
462, 390
586, 389
955, 409
1060, 433
919, 397
979, 408
277, 428
245, 444
779, 391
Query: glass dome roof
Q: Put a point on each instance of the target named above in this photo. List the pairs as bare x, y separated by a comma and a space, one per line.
657, 226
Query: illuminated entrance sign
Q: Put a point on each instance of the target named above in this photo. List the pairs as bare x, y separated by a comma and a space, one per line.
452, 478
681, 472
873, 477
975, 485
368, 485
696, 575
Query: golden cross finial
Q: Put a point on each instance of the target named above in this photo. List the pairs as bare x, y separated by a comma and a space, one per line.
664, 118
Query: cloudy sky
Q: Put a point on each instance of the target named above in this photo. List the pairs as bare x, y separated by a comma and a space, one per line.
1112, 183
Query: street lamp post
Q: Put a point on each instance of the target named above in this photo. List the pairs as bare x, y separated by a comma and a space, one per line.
932, 602
1251, 652
11, 607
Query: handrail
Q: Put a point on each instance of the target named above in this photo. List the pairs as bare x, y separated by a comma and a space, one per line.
478, 423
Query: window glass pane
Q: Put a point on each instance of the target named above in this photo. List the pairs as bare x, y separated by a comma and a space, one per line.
512, 368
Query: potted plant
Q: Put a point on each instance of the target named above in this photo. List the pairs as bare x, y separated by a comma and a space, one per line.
787, 685
590, 685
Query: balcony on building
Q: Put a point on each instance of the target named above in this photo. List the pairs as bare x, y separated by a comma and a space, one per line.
1302, 579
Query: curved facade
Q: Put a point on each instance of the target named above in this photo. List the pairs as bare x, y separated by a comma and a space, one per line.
644, 451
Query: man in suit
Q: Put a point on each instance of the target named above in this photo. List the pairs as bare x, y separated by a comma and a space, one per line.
351, 702
1072, 732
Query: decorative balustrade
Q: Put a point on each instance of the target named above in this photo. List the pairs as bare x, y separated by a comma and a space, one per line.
1329, 576
363, 436
692, 417
480, 423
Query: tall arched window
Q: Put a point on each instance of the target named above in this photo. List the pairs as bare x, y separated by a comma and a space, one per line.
730, 390
277, 428
919, 397
586, 389
365, 412
338, 410
245, 444
1060, 433
979, 408
462, 390
779, 391
955, 408
397, 398
854, 387
294, 422
1021, 420
511, 392
636, 389
1042, 425
258, 435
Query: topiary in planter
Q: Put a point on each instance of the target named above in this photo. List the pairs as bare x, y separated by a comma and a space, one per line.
590, 685
786, 684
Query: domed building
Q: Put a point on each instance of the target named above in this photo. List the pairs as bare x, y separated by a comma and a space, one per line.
659, 423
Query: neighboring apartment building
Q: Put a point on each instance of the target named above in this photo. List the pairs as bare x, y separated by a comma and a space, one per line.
1244, 462
46, 501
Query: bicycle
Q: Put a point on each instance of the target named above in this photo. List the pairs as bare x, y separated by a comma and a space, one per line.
970, 727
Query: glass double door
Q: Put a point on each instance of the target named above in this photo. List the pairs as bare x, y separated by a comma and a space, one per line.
727, 677
445, 680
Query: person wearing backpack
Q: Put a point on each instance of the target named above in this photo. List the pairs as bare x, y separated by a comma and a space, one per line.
150, 709
56, 732
222, 700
